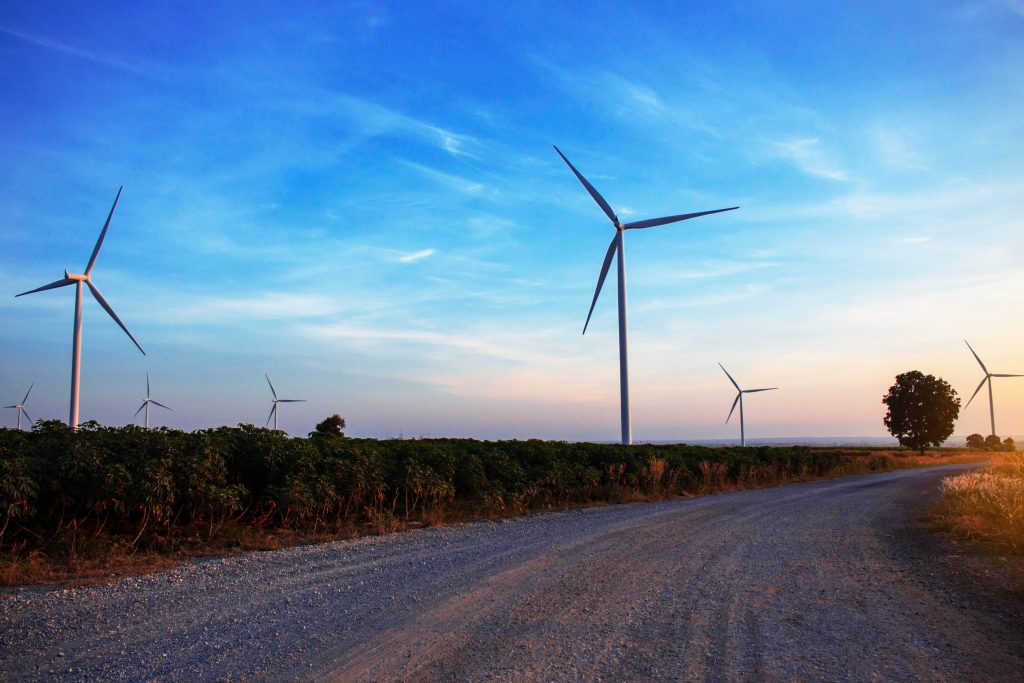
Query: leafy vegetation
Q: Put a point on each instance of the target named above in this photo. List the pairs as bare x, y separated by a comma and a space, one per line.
991, 443
921, 410
98, 492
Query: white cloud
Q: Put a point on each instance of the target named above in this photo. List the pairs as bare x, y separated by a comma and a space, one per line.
374, 119
447, 179
70, 50
807, 155
267, 306
417, 255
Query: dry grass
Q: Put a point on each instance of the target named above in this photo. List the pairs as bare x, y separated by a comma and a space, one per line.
987, 505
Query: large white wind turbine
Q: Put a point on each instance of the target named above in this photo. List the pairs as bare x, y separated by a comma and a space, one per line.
739, 399
20, 407
145, 403
77, 280
988, 378
617, 249
273, 410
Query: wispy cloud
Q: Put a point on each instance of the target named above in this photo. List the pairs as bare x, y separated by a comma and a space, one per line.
372, 119
807, 155
267, 306
417, 255
978, 8
717, 269
447, 179
72, 51
895, 148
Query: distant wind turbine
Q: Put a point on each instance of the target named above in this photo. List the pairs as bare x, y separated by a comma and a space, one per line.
77, 280
988, 378
273, 410
617, 249
21, 407
739, 399
145, 404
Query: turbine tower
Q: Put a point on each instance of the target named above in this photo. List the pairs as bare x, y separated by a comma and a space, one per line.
988, 378
20, 407
617, 249
739, 399
145, 404
77, 280
273, 409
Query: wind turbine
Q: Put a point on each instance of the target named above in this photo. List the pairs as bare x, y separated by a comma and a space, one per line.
617, 249
77, 280
739, 399
988, 378
273, 410
21, 407
145, 404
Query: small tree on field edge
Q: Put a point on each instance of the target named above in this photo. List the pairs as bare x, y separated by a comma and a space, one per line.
331, 426
975, 441
921, 410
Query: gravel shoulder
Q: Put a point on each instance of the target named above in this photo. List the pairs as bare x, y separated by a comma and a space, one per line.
830, 580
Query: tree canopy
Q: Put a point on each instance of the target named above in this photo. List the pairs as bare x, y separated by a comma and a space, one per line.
331, 426
921, 410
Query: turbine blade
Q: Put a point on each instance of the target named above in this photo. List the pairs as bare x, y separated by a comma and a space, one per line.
139, 410
26, 414
733, 408
27, 393
752, 391
590, 188
600, 279
976, 357
654, 222
103, 233
976, 392
273, 409
271, 387
730, 377
63, 282
147, 385
157, 403
12, 407
108, 309
292, 400
1006, 375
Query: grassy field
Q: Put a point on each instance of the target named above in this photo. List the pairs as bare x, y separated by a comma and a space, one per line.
102, 501
987, 506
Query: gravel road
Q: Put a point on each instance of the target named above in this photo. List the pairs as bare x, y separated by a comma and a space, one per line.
818, 581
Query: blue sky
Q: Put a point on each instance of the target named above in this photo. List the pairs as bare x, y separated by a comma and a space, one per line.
364, 203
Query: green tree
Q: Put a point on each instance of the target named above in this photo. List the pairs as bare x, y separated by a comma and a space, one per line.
921, 410
1009, 445
975, 441
993, 443
331, 426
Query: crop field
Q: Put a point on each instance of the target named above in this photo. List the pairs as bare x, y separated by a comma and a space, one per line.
100, 499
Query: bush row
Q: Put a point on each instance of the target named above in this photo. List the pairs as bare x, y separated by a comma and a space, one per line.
139, 484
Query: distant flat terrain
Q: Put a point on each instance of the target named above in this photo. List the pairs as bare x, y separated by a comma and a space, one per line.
826, 580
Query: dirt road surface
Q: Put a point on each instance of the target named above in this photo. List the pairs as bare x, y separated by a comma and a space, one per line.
829, 580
